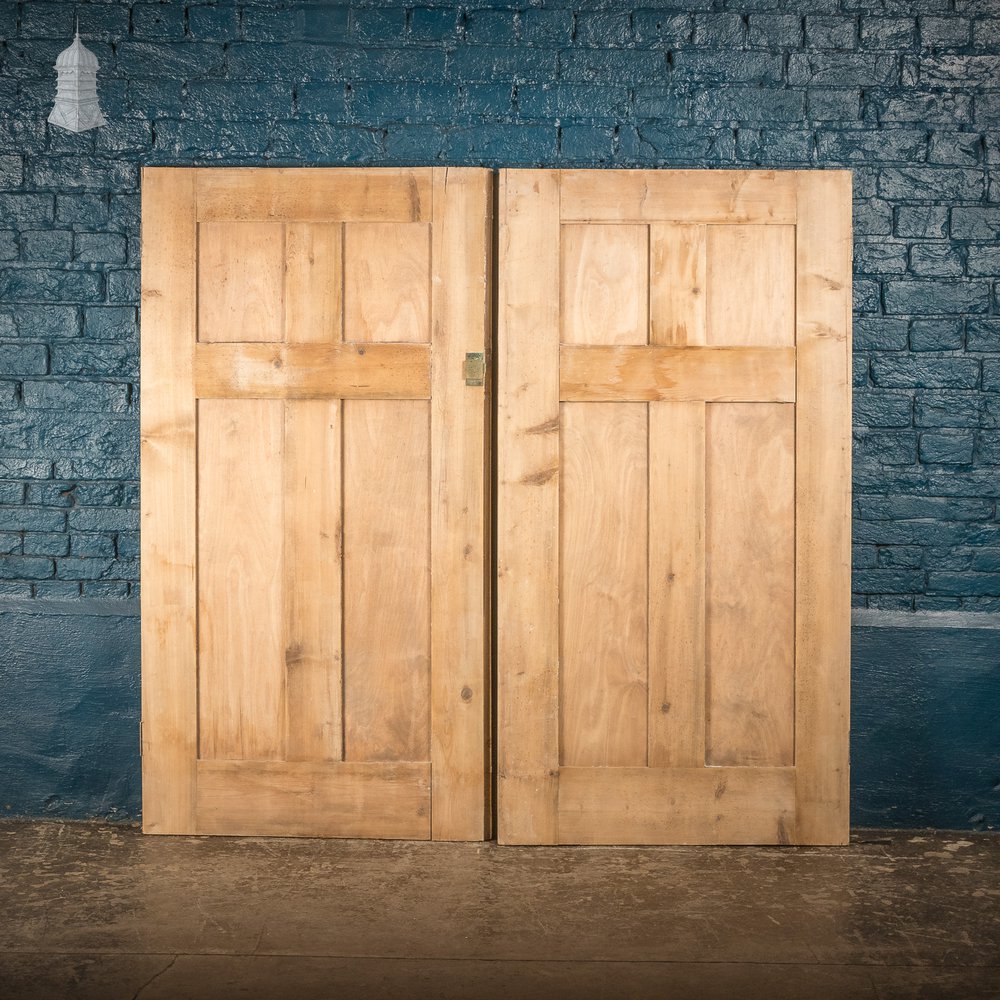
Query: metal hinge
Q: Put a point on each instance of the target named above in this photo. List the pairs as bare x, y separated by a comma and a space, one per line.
475, 368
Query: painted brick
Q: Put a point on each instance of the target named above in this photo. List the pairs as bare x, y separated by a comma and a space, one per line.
831, 32
937, 260
872, 217
96, 359
943, 447
959, 70
833, 105
491, 27
213, 23
46, 543
604, 29
900, 556
71, 568
921, 221
25, 359
874, 408
186, 60
984, 260
750, 105
930, 108
99, 248
577, 101
922, 371
31, 519
982, 334
887, 581
661, 27
936, 335
758, 68
880, 258
930, 298
214, 99
107, 519
378, 26
32, 284
843, 69
25, 568
887, 448
888, 33
75, 173
975, 223
775, 31
904, 508
660, 102
75, 395
864, 146
547, 27
988, 448
963, 149
434, 24
964, 583
986, 561
925, 183
880, 333
947, 409
719, 30
991, 375
325, 23
128, 544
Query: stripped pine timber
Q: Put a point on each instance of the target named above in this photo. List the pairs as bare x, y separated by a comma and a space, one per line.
290, 194
528, 506
678, 282
314, 799
699, 805
677, 374
314, 281
313, 371
823, 503
695, 196
167, 511
460, 680
676, 584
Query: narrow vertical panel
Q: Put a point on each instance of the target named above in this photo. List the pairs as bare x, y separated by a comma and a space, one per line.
677, 284
823, 505
241, 269
528, 506
168, 504
312, 580
313, 282
677, 584
387, 282
460, 682
603, 522
751, 286
386, 580
750, 535
241, 687
604, 288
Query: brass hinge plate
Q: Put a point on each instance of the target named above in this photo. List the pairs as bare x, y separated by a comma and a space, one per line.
475, 368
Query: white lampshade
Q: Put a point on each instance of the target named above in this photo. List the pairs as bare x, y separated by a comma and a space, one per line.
76, 108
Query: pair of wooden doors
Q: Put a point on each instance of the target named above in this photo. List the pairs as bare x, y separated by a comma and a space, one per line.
672, 496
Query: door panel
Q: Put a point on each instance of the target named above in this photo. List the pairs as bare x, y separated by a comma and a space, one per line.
673, 506
314, 627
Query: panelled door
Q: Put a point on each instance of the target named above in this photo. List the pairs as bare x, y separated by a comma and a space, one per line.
673, 506
314, 463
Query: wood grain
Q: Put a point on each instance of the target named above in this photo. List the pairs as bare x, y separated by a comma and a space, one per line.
313, 282
677, 374
604, 284
528, 506
241, 689
312, 371
695, 196
676, 584
460, 612
386, 580
701, 805
240, 281
313, 195
387, 282
823, 503
309, 799
751, 286
602, 584
168, 501
750, 584
677, 284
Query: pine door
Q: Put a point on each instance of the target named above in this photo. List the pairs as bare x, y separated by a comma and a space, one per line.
673, 506
314, 598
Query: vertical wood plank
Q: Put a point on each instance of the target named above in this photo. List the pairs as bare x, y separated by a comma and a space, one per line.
313, 282
312, 580
240, 281
528, 506
751, 286
168, 511
241, 676
386, 580
750, 532
602, 585
677, 584
823, 504
604, 288
460, 682
387, 281
677, 284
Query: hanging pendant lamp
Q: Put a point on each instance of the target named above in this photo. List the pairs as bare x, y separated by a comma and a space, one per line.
76, 108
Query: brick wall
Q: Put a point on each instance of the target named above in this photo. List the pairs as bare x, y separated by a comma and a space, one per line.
905, 92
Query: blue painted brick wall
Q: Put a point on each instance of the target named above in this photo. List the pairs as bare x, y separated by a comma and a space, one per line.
907, 94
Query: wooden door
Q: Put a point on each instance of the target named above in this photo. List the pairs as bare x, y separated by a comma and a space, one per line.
314, 600
673, 506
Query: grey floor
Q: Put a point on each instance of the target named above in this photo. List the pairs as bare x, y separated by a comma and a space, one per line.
102, 912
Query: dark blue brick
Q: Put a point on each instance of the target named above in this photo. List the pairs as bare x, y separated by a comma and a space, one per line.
325, 23
9, 399
434, 24
880, 258
984, 260
991, 375
8, 245
31, 519
56, 589
986, 561
983, 334
46, 543
123, 286
964, 583
874, 408
652, 143
837, 32
110, 323
27, 468
962, 149
53, 245
319, 142
888, 33
41, 19
946, 447
604, 29
605, 102
769, 146
926, 108
959, 70
33, 284
547, 27
70, 568
580, 144
186, 60
887, 581
947, 409
900, 557
487, 100
921, 221
934, 298
662, 28
99, 248
863, 556
373, 25
833, 105
865, 146
936, 335
880, 333
775, 31
945, 32
925, 183
745, 105
109, 397
936, 260
82, 209
128, 545
157, 20
493, 144
981, 222
491, 27
867, 296
25, 359
986, 33
213, 23
26, 209
872, 217
25, 568
119, 137
106, 519
11, 171
76, 173
988, 448
886, 447
719, 30
758, 68
11, 493
489, 63
922, 371
375, 103
96, 359
413, 144
608, 66
843, 69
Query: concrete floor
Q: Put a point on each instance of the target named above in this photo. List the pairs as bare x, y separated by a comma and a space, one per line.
102, 912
